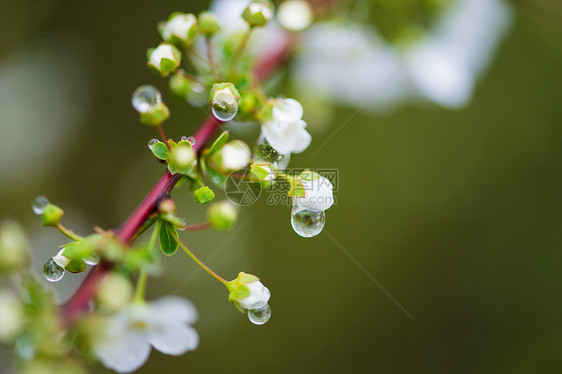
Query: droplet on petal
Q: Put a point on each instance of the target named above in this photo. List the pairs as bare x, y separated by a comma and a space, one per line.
260, 316
52, 271
146, 97
39, 205
224, 106
152, 142
307, 223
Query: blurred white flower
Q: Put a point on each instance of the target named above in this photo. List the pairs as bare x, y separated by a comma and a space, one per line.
442, 68
318, 194
286, 131
164, 324
12, 314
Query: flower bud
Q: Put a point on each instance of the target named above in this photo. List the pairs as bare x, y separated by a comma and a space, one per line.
204, 195
180, 29
12, 314
232, 156
164, 59
51, 215
224, 99
14, 248
258, 13
262, 173
167, 206
208, 24
115, 292
181, 158
222, 215
247, 292
295, 15
318, 192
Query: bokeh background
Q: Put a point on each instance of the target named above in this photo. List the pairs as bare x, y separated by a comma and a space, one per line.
457, 213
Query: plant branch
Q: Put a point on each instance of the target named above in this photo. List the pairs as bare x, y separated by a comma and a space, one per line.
79, 302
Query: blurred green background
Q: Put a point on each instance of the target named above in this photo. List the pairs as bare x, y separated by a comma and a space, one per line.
458, 214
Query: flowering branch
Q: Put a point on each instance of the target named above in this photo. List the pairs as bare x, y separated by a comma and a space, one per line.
78, 303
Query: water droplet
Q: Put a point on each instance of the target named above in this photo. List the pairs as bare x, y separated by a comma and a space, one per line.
145, 97
39, 205
260, 316
183, 222
224, 106
152, 142
92, 260
183, 138
52, 271
192, 140
307, 223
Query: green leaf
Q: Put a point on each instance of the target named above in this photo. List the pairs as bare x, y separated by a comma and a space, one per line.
219, 142
168, 243
160, 150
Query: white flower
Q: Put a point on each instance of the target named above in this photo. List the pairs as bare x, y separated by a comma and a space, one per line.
368, 72
259, 296
318, 194
163, 324
286, 132
235, 155
181, 26
295, 15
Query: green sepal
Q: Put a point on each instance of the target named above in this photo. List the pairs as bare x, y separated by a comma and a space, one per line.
75, 266
297, 188
204, 195
239, 292
168, 243
308, 175
167, 66
160, 150
139, 256
216, 177
218, 143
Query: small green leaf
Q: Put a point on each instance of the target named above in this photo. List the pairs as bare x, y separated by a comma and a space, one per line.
168, 243
204, 195
160, 150
219, 142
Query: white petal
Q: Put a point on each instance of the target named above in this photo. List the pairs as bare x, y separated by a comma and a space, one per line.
302, 138
294, 139
288, 110
174, 310
124, 353
319, 195
174, 340
259, 296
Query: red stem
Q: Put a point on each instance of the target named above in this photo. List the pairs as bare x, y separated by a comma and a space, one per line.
79, 302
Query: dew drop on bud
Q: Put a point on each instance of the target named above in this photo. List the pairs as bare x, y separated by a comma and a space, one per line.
307, 223
145, 97
91, 260
39, 205
260, 316
52, 271
152, 142
192, 140
224, 106
183, 138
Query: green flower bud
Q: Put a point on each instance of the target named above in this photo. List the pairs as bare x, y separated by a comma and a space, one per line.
167, 206
222, 215
51, 215
247, 292
155, 115
204, 195
14, 248
115, 292
208, 24
258, 13
163, 59
181, 158
224, 99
